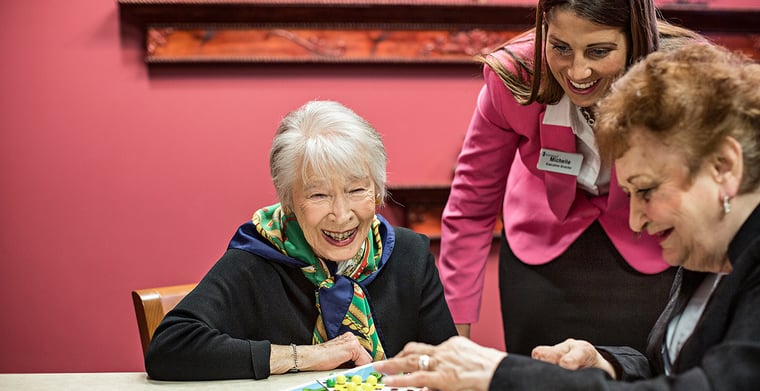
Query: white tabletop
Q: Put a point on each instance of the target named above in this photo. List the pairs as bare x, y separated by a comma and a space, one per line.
139, 381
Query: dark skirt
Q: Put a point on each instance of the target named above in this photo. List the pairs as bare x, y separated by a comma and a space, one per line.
589, 292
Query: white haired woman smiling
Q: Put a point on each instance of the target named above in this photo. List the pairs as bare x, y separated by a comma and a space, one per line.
315, 281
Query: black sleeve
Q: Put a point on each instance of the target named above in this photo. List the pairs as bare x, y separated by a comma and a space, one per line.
517, 372
435, 324
629, 363
224, 327
407, 296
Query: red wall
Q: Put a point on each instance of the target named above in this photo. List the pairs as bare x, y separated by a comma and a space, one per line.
115, 177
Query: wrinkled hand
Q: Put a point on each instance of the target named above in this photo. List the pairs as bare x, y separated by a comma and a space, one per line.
573, 354
457, 364
334, 353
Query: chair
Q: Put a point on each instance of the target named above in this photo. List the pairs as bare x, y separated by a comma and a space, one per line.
152, 304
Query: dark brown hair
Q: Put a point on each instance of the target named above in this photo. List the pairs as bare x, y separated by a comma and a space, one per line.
529, 79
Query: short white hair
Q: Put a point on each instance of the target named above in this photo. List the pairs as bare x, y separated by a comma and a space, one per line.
326, 139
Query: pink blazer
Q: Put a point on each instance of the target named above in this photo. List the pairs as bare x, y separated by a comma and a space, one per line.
544, 212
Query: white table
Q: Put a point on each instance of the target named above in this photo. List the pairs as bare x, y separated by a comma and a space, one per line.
129, 381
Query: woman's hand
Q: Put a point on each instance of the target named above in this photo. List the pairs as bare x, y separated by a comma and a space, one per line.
457, 364
322, 357
573, 354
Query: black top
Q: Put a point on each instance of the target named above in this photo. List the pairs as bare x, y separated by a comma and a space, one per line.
224, 327
723, 352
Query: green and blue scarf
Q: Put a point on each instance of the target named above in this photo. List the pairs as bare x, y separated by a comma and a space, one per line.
341, 301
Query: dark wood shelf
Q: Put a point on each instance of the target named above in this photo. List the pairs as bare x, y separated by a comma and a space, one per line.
403, 32
419, 207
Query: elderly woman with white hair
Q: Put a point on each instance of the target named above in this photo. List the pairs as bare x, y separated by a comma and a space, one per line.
316, 281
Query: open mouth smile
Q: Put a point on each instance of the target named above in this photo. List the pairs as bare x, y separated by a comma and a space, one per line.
663, 235
340, 236
582, 86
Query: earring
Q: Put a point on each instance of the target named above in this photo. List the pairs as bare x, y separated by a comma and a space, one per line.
726, 205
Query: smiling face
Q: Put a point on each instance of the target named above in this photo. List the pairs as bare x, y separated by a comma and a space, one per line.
685, 216
584, 57
335, 214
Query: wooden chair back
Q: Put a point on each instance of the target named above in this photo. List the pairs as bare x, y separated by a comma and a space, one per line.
152, 304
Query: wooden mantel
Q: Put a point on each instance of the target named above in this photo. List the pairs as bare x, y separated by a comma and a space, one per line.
379, 31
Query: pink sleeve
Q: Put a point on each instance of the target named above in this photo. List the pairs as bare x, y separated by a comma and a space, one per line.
476, 198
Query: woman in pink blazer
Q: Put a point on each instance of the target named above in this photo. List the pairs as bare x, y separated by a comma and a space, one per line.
568, 264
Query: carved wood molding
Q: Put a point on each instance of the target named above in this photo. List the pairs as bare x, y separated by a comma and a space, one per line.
334, 31
351, 44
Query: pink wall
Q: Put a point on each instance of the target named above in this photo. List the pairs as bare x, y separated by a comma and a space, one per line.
114, 177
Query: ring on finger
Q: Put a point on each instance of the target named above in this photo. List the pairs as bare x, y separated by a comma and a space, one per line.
424, 362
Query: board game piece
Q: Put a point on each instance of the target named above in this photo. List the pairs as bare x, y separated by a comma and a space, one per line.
363, 378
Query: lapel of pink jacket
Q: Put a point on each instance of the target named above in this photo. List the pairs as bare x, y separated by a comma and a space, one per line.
560, 188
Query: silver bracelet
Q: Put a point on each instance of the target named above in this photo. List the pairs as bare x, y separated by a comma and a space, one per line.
295, 359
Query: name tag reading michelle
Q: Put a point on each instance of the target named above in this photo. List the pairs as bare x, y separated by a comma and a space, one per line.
560, 162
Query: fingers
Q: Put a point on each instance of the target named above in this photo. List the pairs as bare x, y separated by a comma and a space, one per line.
570, 354
362, 358
393, 365
408, 360
547, 353
335, 352
456, 364
420, 379
407, 363
552, 354
359, 355
579, 357
346, 337
412, 370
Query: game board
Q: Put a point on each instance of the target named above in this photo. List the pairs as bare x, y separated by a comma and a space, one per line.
364, 372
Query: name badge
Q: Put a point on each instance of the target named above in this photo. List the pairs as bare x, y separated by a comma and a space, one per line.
560, 162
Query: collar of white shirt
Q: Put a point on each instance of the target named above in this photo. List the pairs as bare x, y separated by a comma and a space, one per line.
592, 177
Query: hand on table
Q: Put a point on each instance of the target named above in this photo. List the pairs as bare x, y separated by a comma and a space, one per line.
573, 354
321, 357
337, 351
457, 364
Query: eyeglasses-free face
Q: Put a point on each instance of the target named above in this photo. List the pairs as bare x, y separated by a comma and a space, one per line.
584, 57
684, 215
335, 214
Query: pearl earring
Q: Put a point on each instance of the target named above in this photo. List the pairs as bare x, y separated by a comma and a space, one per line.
726, 205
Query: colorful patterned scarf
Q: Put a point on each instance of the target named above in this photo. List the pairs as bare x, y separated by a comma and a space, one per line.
342, 303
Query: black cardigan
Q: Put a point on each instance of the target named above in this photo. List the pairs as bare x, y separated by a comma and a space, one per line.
224, 327
723, 352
